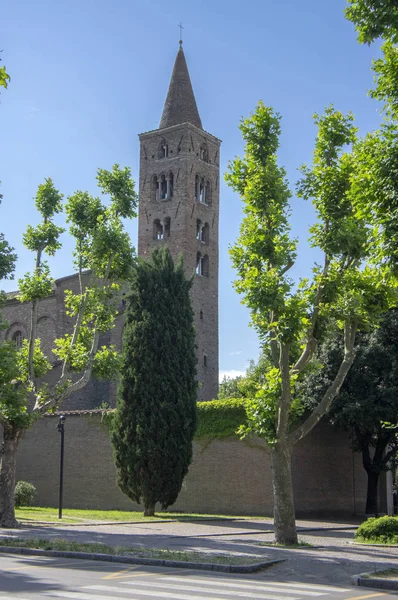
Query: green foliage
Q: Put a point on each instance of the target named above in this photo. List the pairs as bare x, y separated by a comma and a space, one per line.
357, 281
368, 398
155, 417
382, 530
7, 259
374, 19
25, 493
220, 418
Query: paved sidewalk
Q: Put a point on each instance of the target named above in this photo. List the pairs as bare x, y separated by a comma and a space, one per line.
332, 557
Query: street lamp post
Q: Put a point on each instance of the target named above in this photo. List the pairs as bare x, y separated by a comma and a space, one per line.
61, 429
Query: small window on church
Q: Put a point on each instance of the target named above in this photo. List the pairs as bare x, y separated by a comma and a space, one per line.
204, 191
161, 228
163, 187
202, 265
205, 360
170, 188
163, 150
17, 338
203, 154
158, 233
201, 315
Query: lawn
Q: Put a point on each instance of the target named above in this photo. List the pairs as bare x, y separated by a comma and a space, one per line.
71, 515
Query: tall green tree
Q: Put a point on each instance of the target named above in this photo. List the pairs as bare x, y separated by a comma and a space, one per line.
104, 258
367, 404
155, 417
353, 286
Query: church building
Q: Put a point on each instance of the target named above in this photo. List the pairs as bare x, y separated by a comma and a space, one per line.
178, 206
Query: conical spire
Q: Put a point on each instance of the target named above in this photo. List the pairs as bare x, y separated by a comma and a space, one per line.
180, 106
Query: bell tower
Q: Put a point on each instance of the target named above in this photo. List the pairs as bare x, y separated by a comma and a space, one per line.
179, 206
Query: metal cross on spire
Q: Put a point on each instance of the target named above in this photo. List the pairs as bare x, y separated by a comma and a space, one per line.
181, 28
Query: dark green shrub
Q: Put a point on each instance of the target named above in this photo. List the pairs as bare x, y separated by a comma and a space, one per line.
381, 530
25, 493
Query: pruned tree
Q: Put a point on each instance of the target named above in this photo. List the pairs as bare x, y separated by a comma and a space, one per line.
367, 404
104, 259
155, 418
353, 286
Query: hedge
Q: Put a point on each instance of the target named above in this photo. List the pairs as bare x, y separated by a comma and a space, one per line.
220, 418
216, 419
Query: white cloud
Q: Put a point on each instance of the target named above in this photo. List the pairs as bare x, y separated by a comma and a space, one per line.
229, 374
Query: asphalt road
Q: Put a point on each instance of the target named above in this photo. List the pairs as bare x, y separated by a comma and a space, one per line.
31, 578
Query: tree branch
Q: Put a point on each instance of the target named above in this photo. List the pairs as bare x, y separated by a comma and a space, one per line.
310, 346
322, 408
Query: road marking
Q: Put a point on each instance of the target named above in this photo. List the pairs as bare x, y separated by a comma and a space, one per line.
154, 594
368, 596
182, 588
299, 586
122, 574
199, 588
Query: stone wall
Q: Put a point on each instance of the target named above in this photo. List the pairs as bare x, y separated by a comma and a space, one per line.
226, 476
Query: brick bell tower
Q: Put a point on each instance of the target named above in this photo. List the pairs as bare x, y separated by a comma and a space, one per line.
179, 206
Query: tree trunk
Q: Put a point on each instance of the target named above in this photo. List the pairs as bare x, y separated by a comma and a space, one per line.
284, 514
11, 438
372, 505
149, 510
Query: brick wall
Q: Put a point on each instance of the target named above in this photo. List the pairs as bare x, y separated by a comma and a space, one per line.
226, 476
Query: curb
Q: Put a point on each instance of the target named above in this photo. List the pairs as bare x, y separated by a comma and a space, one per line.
366, 580
154, 562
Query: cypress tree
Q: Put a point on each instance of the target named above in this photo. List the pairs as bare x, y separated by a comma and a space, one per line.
155, 416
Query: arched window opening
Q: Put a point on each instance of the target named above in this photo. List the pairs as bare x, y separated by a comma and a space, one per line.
202, 231
18, 338
203, 154
202, 191
199, 226
157, 230
201, 315
161, 229
205, 360
202, 265
155, 188
163, 150
163, 187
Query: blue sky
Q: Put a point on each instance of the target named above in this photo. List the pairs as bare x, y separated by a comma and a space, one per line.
89, 75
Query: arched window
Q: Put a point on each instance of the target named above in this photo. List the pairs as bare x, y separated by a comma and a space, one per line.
157, 230
163, 187
203, 154
205, 360
161, 229
18, 338
163, 151
170, 186
201, 315
202, 265
202, 231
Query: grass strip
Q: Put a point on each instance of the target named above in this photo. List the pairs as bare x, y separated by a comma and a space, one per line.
97, 548
387, 574
71, 515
